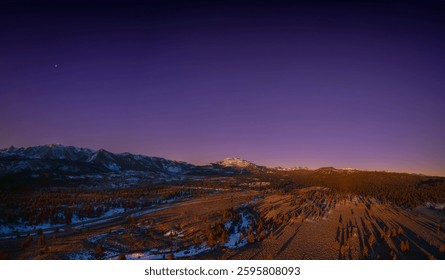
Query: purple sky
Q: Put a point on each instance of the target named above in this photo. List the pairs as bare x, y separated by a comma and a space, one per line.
351, 85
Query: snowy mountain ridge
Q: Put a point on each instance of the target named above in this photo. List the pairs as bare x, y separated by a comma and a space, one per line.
55, 158
68, 164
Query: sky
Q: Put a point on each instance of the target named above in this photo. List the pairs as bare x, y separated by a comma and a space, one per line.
278, 83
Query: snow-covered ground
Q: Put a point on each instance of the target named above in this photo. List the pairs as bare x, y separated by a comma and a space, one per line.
76, 222
155, 254
13, 229
82, 255
437, 206
108, 213
23, 227
235, 241
142, 213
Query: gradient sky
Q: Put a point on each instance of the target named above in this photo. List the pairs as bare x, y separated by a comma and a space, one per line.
309, 83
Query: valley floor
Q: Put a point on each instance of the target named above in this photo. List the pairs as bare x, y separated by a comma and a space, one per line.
244, 223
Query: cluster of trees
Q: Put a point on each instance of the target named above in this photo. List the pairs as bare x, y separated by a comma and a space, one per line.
216, 234
408, 190
60, 205
231, 221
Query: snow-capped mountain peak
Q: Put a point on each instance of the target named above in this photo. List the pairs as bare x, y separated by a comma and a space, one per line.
236, 162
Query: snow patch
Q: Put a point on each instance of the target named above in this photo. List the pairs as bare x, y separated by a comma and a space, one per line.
95, 238
236, 239
436, 206
82, 255
24, 227
112, 166
173, 169
155, 254
174, 233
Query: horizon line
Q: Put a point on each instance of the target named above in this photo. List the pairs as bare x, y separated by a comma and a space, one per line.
299, 167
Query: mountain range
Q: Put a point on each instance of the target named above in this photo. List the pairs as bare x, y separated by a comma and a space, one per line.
60, 165
79, 166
